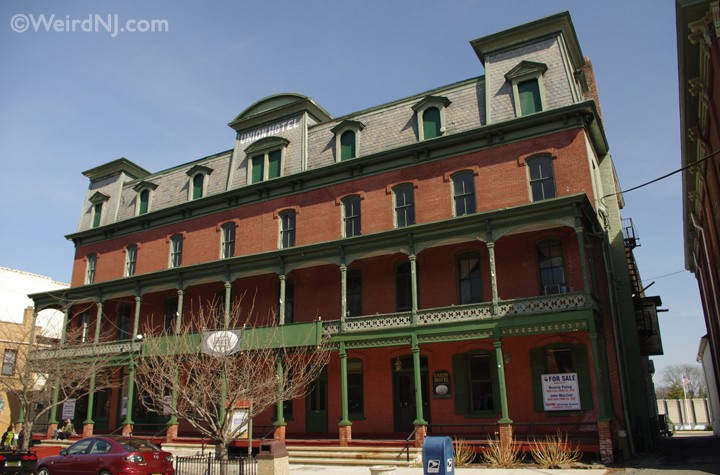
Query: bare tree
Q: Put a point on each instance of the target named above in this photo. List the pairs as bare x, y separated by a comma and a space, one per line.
215, 375
675, 376
46, 376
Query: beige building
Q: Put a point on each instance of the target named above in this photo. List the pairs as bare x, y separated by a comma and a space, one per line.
16, 317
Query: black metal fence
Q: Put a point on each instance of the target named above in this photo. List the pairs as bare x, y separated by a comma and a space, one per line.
209, 465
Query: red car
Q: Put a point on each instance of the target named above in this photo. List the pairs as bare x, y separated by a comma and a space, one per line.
108, 456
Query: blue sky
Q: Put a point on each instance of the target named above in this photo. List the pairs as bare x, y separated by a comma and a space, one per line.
72, 101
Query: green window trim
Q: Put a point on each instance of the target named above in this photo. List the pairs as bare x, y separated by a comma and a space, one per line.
348, 145
258, 168
462, 396
529, 95
97, 215
144, 199
274, 164
431, 123
198, 183
581, 366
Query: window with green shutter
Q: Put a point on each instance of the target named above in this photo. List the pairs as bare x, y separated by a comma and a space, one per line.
431, 123
144, 201
477, 391
258, 172
529, 92
97, 215
198, 183
274, 164
347, 145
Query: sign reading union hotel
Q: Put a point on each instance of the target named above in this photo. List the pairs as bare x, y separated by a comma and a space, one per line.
267, 130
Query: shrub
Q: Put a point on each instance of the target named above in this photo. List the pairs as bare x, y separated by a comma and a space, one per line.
502, 455
554, 451
464, 452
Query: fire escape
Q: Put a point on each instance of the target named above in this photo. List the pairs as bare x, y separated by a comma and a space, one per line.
645, 307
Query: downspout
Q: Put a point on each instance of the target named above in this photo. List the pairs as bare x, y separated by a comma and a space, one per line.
609, 272
709, 273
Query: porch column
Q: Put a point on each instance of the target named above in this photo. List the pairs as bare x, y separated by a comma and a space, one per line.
128, 422
89, 423
136, 324
228, 302
281, 310
505, 419
172, 423
580, 233
414, 289
419, 421
344, 424
53, 422
493, 275
280, 419
343, 296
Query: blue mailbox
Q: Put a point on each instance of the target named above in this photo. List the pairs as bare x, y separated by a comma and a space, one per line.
438, 456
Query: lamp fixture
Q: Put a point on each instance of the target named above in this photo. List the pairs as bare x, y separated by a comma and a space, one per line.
397, 364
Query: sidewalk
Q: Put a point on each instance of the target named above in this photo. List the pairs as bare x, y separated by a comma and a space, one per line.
347, 470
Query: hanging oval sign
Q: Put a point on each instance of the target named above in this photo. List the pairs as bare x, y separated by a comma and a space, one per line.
222, 343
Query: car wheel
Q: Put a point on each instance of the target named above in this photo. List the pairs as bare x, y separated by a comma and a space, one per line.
43, 471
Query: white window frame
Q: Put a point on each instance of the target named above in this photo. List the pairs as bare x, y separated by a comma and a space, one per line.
139, 189
176, 249
224, 230
131, 252
90, 268
192, 173
439, 102
525, 71
347, 126
264, 147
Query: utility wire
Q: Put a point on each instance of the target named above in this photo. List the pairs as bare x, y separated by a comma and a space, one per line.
698, 162
668, 275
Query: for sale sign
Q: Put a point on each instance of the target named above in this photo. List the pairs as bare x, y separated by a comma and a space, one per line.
560, 392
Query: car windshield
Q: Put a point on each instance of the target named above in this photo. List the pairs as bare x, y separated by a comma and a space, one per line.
137, 445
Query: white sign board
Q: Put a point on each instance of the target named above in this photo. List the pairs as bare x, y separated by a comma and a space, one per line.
560, 392
68, 410
240, 421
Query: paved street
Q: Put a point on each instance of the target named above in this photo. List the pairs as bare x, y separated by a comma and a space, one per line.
685, 453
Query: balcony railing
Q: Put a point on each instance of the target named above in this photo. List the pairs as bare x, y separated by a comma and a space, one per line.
80, 351
461, 313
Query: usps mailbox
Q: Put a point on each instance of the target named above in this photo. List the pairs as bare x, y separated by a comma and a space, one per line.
438, 456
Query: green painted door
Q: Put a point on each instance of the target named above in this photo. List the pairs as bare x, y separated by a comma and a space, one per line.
317, 414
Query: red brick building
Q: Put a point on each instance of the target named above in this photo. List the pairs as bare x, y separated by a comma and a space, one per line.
699, 80
462, 246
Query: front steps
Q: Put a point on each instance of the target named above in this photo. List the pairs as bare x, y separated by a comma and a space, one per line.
353, 455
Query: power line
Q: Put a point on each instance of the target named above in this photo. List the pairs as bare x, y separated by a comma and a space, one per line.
667, 275
698, 162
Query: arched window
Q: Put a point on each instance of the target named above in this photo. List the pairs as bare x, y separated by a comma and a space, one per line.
351, 216
198, 182
347, 145
403, 287
227, 242
90, 268
176, 248
431, 123
404, 204
130, 259
542, 179
144, 201
463, 184
287, 228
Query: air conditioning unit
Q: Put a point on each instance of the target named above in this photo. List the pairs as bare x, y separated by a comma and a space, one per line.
553, 289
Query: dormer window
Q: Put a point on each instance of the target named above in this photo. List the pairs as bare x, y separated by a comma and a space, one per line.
528, 90
347, 134
265, 160
199, 176
144, 190
98, 200
430, 114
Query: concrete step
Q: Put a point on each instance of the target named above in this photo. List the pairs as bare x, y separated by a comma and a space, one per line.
357, 456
